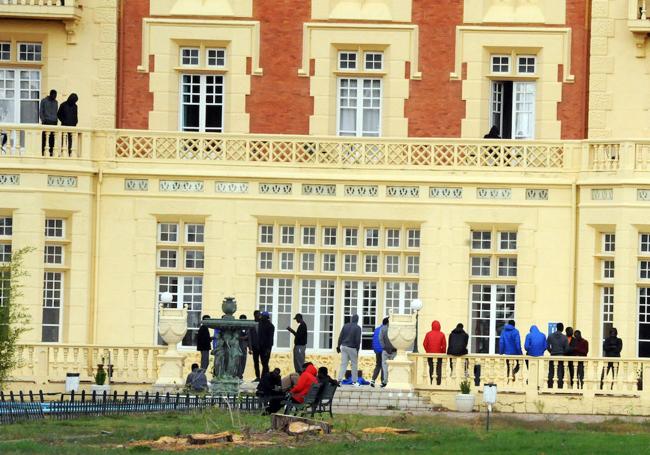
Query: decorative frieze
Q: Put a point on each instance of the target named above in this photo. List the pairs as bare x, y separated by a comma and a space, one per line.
602, 194
10, 179
403, 191
445, 193
181, 186
318, 190
361, 190
494, 193
231, 187
276, 188
62, 181
136, 185
643, 195
537, 194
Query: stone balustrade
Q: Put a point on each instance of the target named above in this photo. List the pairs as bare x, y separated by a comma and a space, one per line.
41, 9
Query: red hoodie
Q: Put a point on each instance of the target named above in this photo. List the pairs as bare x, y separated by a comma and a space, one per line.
305, 381
435, 342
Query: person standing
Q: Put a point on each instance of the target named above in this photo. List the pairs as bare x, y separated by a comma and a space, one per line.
47, 111
569, 352
388, 352
580, 349
265, 332
557, 344
68, 115
376, 347
348, 346
299, 343
435, 343
535, 342
204, 343
457, 345
612, 347
255, 345
510, 344
245, 347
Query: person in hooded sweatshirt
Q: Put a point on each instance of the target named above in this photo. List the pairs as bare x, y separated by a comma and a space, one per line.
457, 345
612, 347
265, 334
348, 346
305, 381
510, 344
580, 348
435, 343
376, 347
557, 344
68, 116
535, 343
47, 112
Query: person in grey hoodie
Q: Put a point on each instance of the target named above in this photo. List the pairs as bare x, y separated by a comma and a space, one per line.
348, 346
388, 351
47, 112
557, 344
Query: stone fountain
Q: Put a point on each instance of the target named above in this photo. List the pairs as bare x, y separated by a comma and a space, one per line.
227, 353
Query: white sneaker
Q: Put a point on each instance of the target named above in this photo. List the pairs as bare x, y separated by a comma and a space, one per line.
356, 384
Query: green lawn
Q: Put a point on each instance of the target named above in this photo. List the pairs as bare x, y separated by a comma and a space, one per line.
436, 434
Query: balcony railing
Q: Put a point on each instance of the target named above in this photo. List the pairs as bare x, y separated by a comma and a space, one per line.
639, 16
130, 146
41, 9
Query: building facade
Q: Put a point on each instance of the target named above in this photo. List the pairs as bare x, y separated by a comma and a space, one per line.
327, 157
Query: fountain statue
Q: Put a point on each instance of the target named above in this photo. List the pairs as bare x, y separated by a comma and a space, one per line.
227, 353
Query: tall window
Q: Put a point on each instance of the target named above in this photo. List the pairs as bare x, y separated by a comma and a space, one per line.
644, 295
20, 92
54, 258
512, 102
606, 248
335, 271
493, 280
180, 260
6, 232
202, 103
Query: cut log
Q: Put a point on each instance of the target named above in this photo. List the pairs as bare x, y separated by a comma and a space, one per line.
388, 430
200, 438
298, 428
281, 422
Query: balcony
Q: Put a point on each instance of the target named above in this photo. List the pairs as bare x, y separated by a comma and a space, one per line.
639, 23
65, 10
25, 142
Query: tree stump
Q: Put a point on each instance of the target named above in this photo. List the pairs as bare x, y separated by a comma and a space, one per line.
281, 422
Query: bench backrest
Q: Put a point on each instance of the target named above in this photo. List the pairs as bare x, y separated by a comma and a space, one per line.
312, 395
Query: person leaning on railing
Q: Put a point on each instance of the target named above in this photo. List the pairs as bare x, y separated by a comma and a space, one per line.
47, 112
612, 347
68, 115
579, 348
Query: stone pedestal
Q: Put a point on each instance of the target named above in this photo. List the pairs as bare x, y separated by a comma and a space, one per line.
172, 325
401, 333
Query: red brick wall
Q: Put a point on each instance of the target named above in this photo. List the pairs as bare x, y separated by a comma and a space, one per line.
133, 98
572, 111
279, 101
435, 107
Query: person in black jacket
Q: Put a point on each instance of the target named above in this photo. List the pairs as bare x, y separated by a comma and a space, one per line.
245, 347
270, 390
612, 347
265, 333
299, 343
457, 345
204, 344
255, 345
68, 116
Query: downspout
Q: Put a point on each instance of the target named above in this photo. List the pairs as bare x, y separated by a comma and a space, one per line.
97, 225
574, 252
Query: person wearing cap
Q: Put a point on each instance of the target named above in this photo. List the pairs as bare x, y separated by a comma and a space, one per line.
265, 334
299, 343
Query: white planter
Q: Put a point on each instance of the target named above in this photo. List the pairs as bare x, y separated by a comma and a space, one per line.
100, 389
464, 403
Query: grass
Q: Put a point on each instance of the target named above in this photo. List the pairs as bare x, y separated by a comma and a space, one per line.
436, 434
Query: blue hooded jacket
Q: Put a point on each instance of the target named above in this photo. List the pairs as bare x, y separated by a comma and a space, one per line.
510, 341
376, 345
535, 343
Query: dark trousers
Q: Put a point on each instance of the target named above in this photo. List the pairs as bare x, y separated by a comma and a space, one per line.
265, 357
438, 370
560, 374
515, 369
205, 359
69, 144
49, 138
378, 368
572, 372
613, 367
581, 374
256, 363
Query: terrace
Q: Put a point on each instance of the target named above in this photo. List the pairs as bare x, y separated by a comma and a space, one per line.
67, 10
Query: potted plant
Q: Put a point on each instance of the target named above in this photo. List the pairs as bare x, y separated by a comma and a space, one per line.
465, 400
100, 385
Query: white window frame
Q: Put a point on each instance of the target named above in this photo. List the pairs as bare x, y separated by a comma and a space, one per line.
168, 233
372, 62
510, 238
26, 84
198, 260
274, 307
524, 108
58, 303
414, 238
181, 57
199, 233
372, 237
53, 254
180, 301
527, 65
314, 330
507, 264
5, 252
351, 236
327, 265
644, 243
607, 307
287, 235
608, 267
287, 261
36, 51
6, 227
203, 94
265, 260
392, 264
480, 266
266, 235
356, 306
494, 302
5, 50
413, 264
480, 237
350, 263
392, 240
311, 259
405, 295
327, 235
55, 228
367, 261
217, 57
340, 61
359, 107
309, 235
500, 63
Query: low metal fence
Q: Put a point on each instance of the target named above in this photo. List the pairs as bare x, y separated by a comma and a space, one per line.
24, 407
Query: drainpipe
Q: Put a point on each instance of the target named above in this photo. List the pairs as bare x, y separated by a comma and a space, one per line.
92, 316
574, 252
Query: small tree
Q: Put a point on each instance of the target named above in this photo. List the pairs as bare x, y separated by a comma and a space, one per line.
14, 318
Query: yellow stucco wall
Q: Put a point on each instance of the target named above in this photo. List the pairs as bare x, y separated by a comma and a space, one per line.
79, 57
